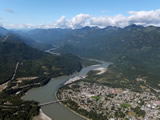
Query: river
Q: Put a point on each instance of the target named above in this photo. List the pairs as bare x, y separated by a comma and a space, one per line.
47, 93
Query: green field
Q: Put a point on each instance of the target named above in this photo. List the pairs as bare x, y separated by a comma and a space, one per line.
96, 97
125, 105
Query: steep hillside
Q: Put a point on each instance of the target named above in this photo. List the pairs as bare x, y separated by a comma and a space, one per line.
51, 36
22, 68
13, 50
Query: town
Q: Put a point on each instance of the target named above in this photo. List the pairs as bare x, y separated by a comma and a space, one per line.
112, 103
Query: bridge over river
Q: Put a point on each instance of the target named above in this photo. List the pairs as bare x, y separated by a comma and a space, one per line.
51, 102
53, 109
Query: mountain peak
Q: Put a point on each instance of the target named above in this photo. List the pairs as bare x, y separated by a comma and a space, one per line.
134, 26
111, 28
88, 28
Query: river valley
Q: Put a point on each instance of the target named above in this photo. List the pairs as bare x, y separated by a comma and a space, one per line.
47, 93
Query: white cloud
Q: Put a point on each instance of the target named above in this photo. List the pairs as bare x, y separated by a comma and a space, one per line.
117, 20
78, 21
135, 17
20, 26
145, 17
81, 20
61, 23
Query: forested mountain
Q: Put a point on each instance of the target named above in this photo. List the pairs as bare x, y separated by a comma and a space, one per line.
22, 68
133, 49
49, 35
26, 38
104, 43
13, 50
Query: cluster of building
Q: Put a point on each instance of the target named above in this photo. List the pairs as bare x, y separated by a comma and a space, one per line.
113, 102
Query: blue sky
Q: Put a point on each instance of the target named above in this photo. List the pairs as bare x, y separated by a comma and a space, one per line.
36, 12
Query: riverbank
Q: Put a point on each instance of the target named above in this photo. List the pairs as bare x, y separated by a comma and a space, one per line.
3, 86
100, 70
45, 94
71, 109
74, 111
41, 116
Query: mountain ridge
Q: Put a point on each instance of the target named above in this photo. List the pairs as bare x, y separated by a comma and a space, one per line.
13, 50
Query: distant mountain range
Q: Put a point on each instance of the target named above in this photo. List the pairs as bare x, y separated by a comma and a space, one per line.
25, 38
135, 50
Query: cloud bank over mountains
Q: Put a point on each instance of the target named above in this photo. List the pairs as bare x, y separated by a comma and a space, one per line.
144, 18
76, 22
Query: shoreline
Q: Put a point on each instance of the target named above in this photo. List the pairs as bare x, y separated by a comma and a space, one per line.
71, 109
100, 70
75, 112
41, 116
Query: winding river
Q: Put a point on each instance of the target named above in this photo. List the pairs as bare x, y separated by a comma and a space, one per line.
47, 93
